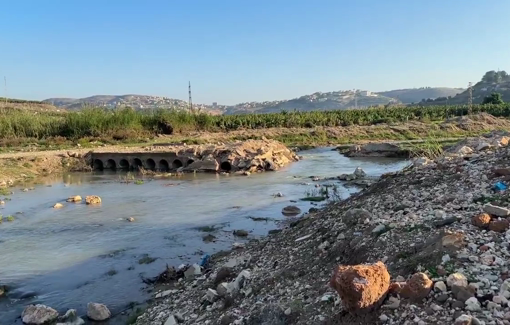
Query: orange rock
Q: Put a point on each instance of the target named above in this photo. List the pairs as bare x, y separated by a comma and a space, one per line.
92, 199
481, 220
418, 287
499, 225
362, 288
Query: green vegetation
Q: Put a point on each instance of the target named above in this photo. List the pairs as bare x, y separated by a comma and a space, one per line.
494, 99
139, 182
10, 218
5, 191
129, 124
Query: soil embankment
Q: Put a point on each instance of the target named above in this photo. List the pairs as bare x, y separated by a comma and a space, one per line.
439, 225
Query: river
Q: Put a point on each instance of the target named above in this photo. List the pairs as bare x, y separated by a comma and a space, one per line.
67, 257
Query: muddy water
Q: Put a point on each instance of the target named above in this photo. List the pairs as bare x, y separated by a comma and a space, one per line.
68, 257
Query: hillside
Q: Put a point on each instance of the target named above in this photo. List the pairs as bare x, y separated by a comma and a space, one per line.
113, 101
29, 105
315, 102
489, 84
415, 95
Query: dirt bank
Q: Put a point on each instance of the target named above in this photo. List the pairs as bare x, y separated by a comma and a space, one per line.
416, 220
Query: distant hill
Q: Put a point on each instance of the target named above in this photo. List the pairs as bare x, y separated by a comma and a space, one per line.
415, 95
112, 101
492, 81
28, 105
315, 102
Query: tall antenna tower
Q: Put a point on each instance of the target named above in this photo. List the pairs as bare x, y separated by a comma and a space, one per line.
470, 98
190, 103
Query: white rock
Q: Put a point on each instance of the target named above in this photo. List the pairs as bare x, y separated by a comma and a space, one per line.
439, 286
472, 304
359, 173
171, 320
193, 271
38, 315
98, 312
463, 319
496, 210
211, 295
500, 300
383, 318
457, 279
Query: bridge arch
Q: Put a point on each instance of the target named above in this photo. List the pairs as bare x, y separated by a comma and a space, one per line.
151, 164
111, 164
190, 161
137, 163
124, 164
177, 163
98, 164
163, 165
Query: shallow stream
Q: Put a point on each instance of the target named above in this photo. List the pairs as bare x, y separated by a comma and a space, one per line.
67, 257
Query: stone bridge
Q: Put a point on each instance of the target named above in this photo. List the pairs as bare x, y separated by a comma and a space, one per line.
164, 161
250, 155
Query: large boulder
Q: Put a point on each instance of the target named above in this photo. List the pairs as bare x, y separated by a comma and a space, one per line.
38, 315
92, 199
362, 288
291, 210
98, 312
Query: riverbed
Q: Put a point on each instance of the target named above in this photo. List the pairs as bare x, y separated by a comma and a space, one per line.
67, 257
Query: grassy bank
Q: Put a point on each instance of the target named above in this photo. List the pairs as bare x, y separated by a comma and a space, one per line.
19, 128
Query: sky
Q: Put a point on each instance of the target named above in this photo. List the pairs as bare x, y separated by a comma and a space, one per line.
239, 50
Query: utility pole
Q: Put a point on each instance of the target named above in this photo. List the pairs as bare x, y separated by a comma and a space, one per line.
190, 103
5, 84
470, 98
355, 99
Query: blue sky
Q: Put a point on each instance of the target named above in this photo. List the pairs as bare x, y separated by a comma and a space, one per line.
240, 50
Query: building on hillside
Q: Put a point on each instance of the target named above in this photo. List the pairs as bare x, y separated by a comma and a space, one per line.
214, 104
365, 93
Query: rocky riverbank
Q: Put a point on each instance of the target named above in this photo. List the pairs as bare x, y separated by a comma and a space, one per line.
438, 229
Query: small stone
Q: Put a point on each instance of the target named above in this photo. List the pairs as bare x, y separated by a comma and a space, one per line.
379, 229
442, 298
500, 225
418, 287
472, 304
75, 199
291, 210
131, 219
481, 220
495, 210
457, 279
463, 320
462, 293
240, 233
383, 318
58, 206
193, 271
171, 320
288, 311
439, 286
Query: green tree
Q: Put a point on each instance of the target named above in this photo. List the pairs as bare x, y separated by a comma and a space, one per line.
494, 98
489, 76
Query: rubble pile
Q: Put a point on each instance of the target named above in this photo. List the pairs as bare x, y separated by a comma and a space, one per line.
427, 245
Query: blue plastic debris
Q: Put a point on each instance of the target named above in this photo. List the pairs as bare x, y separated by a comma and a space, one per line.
205, 260
500, 186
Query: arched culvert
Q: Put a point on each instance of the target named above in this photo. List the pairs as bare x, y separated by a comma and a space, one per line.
226, 166
137, 163
98, 164
163, 165
189, 162
177, 164
110, 164
151, 164
123, 164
